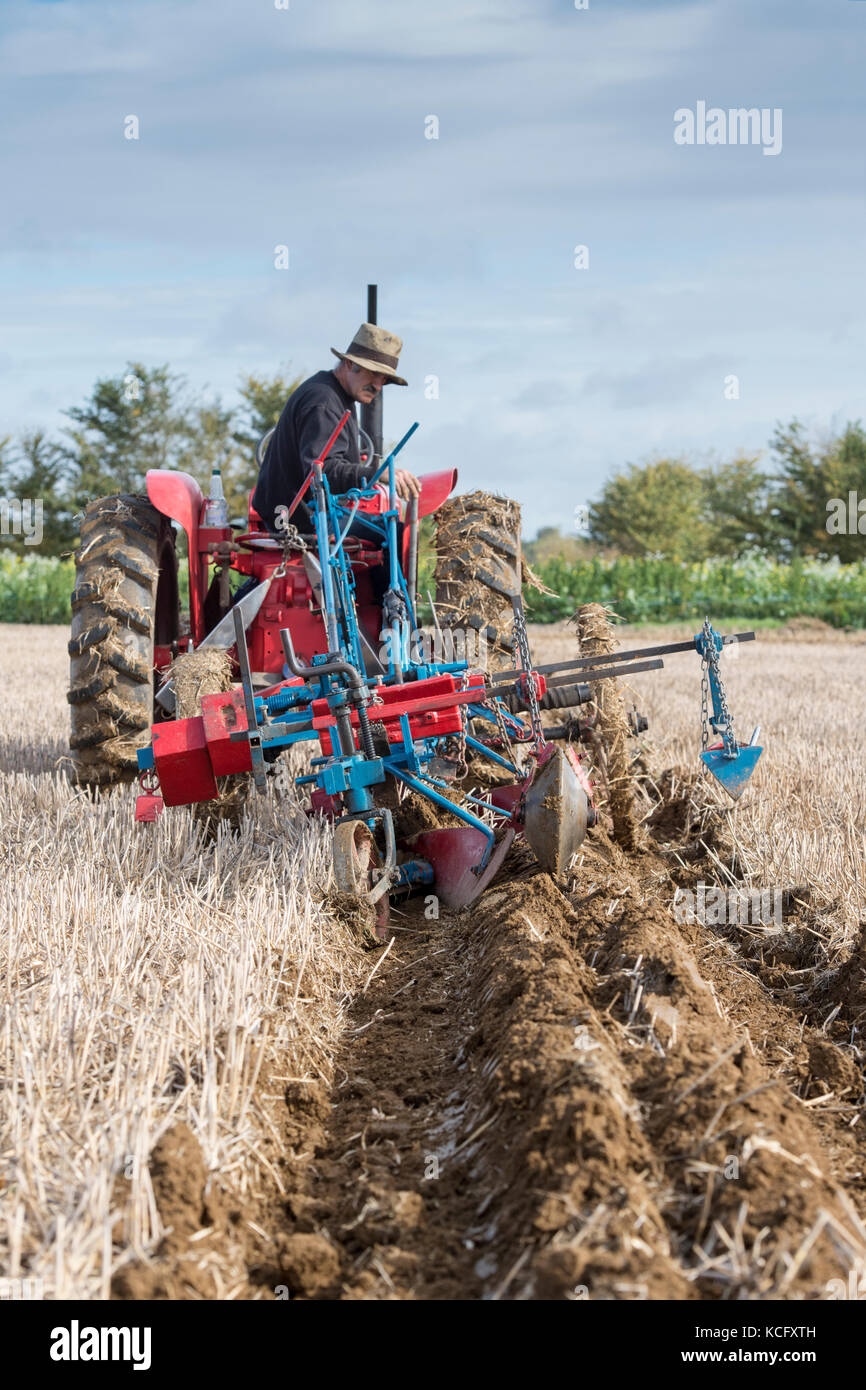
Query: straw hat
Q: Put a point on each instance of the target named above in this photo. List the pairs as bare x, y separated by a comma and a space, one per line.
372, 347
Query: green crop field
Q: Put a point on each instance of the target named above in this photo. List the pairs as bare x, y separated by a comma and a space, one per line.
658, 590
36, 589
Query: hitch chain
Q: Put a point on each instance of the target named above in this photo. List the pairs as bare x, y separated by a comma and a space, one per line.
705, 713
291, 540
712, 663
522, 657
462, 765
377, 725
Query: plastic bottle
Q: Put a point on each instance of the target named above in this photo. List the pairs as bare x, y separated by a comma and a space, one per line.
216, 511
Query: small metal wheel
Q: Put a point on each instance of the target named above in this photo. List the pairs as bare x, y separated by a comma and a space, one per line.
356, 859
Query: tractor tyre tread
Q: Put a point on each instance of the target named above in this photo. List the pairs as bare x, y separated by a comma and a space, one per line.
126, 545
112, 606
479, 567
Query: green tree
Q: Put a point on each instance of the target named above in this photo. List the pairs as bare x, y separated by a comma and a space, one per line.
5, 464
130, 423
739, 507
653, 508
810, 477
208, 440
799, 491
35, 470
549, 543
146, 418
845, 473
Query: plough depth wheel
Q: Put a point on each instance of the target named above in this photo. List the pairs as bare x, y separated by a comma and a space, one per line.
356, 861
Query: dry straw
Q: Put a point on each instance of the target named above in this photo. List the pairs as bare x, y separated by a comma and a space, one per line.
146, 976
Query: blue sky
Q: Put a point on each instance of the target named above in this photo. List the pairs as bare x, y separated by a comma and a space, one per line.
306, 127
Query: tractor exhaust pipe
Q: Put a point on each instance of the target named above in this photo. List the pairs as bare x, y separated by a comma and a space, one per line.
371, 415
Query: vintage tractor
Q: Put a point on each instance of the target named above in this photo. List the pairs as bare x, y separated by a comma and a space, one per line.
329, 651
350, 675
126, 624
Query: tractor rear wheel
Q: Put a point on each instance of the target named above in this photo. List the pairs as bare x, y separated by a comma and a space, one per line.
479, 565
125, 603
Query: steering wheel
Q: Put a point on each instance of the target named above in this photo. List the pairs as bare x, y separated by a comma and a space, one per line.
366, 444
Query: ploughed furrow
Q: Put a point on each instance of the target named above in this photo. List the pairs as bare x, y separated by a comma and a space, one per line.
547, 1098
482, 1112
562, 1093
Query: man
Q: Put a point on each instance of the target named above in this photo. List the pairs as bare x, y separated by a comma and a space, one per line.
309, 418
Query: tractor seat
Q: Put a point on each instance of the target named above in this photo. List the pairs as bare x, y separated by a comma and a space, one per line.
260, 537
255, 521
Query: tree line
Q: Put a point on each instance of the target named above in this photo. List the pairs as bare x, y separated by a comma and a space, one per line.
808, 499
144, 418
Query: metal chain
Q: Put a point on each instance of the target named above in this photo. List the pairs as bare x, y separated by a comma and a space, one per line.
711, 659
520, 649
377, 726
705, 714
292, 540
462, 765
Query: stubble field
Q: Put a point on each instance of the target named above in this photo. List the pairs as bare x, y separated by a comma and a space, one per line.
210, 1089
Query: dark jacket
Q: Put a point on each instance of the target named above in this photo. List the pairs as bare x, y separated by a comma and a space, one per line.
308, 419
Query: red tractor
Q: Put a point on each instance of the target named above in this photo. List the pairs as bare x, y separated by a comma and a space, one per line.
127, 628
325, 632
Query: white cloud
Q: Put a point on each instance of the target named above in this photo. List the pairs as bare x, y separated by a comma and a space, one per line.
306, 127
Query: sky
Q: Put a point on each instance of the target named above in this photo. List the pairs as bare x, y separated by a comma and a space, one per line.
721, 289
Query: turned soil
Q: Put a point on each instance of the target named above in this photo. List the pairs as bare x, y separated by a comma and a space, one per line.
562, 1092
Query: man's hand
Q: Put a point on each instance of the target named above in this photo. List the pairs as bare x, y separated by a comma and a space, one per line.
406, 484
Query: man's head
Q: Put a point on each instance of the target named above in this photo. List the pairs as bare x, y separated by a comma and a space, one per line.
369, 363
359, 382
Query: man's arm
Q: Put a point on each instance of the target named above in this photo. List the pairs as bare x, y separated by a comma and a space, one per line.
343, 468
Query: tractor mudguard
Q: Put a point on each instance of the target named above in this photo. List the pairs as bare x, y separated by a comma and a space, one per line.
435, 487
177, 495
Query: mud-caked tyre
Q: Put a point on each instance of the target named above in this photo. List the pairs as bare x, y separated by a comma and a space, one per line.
479, 565
125, 603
